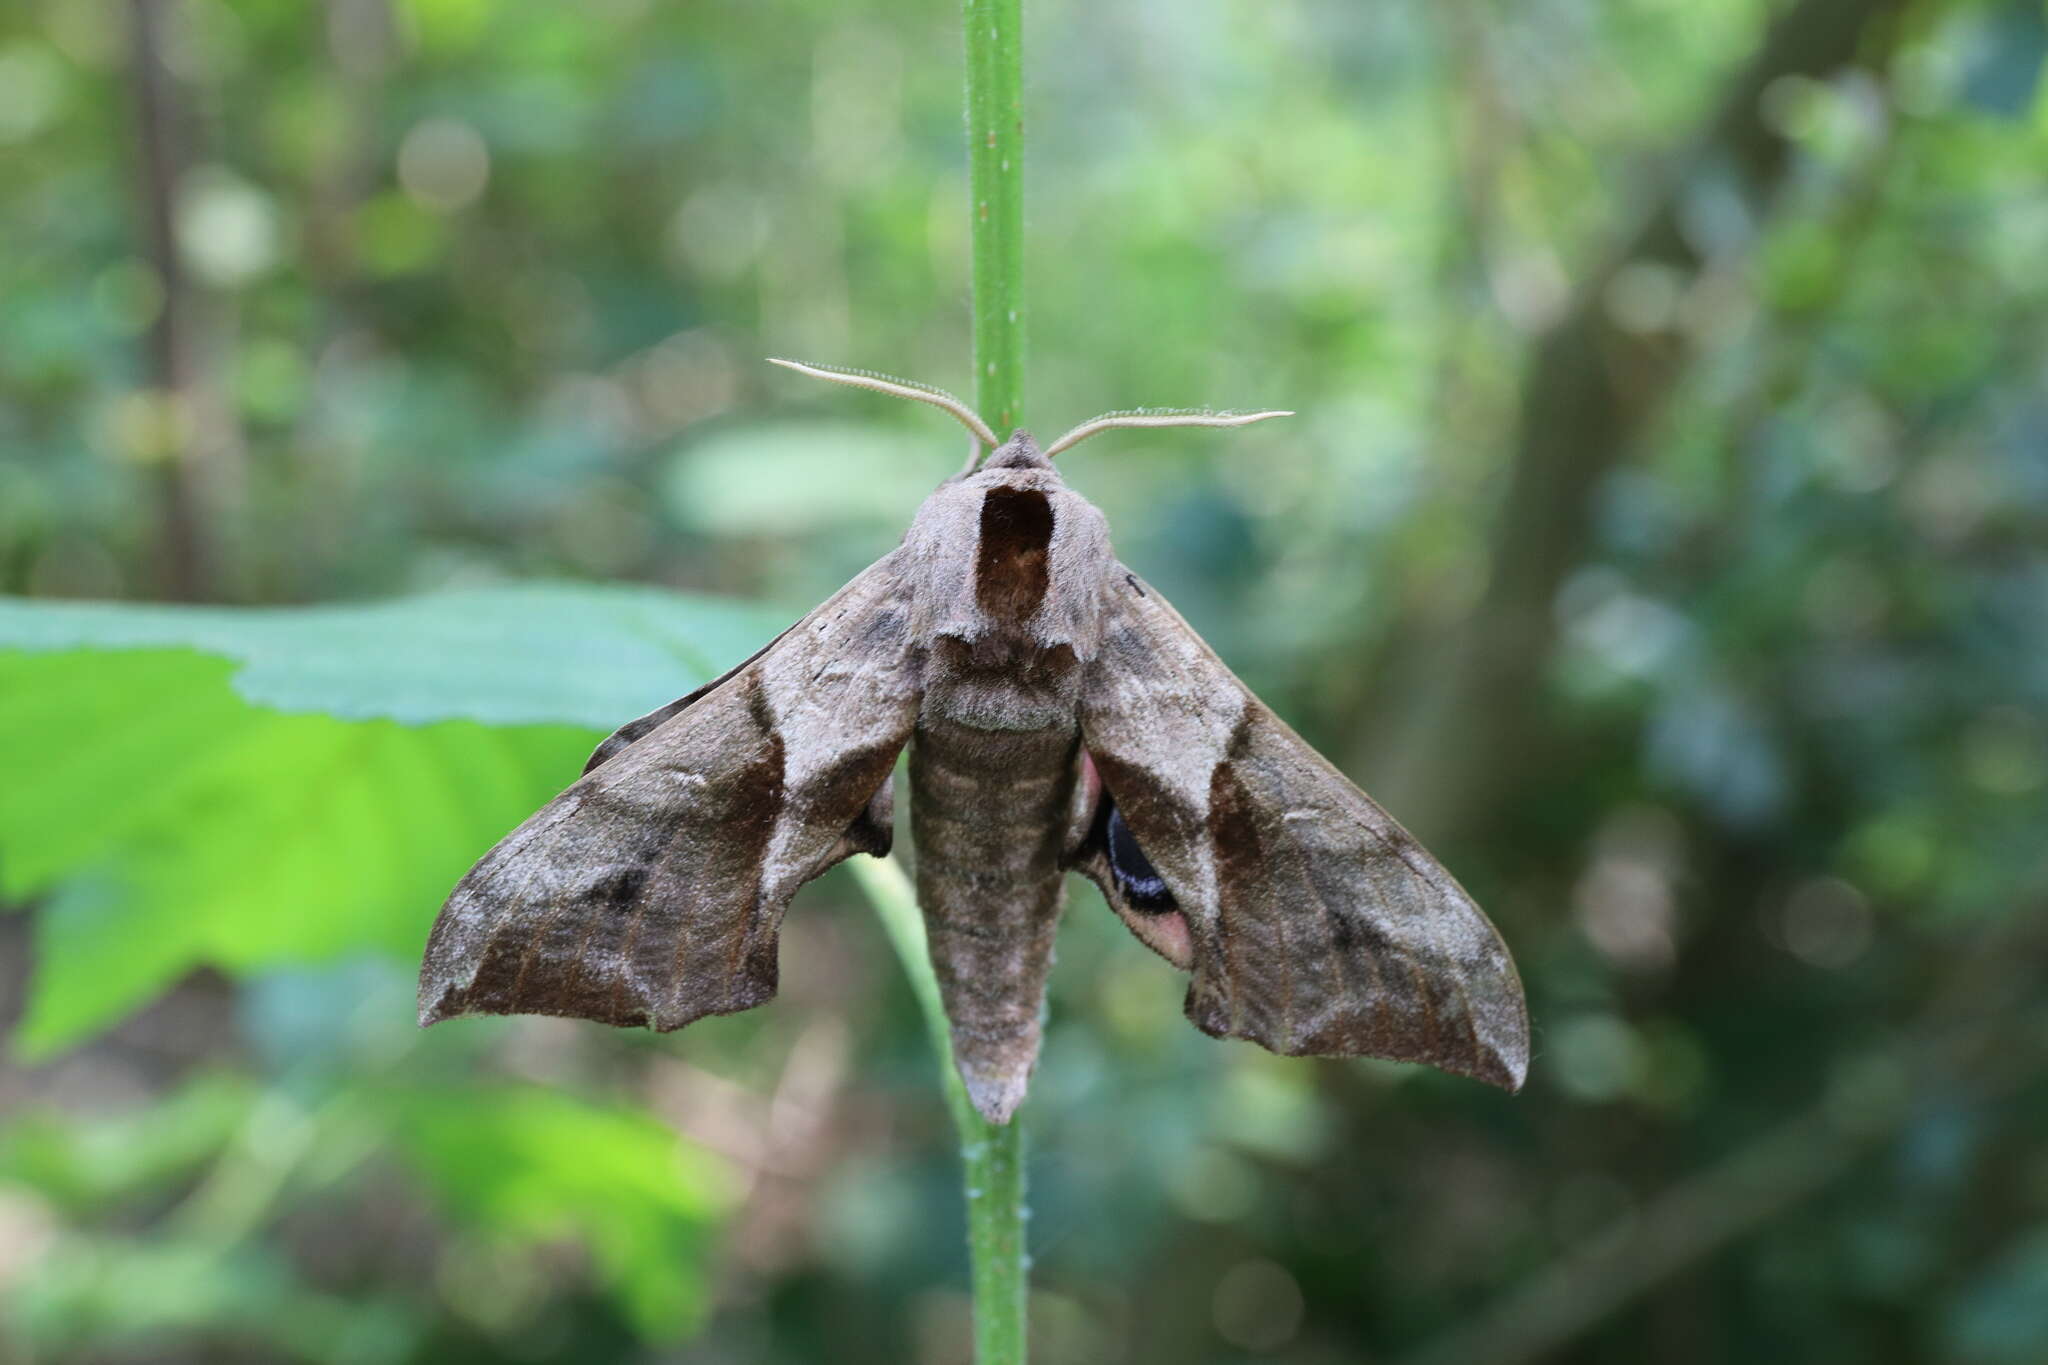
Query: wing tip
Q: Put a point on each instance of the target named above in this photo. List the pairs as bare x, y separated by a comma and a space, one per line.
1507, 1058
439, 1000
1499, 1049
1506, 1070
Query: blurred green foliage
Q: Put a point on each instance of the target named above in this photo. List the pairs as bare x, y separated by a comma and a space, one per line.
344, 774
1724, 687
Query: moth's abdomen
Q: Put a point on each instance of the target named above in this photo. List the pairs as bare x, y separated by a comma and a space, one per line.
988, 809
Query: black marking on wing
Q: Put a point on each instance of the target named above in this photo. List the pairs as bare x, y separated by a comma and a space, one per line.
1137, 880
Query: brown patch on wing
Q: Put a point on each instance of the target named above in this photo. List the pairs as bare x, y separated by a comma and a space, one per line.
1241, 889
1233, 825
1010, 575
749, 824
861, 778
1145, 800
757, 792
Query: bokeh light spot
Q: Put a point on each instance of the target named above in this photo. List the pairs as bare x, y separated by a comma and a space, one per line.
1826, 923
718, 231
228, 230
443, 164
1595, 1057
1258, 1306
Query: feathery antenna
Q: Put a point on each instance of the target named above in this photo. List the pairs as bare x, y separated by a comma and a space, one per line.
897, 388
1157, 417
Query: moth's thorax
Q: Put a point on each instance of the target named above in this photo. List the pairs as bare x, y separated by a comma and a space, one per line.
1008, 566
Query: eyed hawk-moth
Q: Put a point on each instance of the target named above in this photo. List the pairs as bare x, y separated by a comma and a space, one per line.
1059, 716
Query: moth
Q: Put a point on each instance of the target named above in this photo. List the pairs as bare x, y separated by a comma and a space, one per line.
1059, 716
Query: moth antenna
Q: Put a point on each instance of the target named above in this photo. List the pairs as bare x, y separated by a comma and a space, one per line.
897, 388
1157, 417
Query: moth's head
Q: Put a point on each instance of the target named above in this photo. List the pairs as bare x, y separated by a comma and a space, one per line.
1012, 496
1019, 452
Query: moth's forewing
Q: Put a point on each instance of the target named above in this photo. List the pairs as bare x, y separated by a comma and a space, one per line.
1315, 923
651, 892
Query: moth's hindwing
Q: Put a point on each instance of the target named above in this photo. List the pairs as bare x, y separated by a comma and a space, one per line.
1311, 921
651, 892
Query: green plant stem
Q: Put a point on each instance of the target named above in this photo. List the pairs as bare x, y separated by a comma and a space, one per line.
991, 1155
994, 1154
995, 163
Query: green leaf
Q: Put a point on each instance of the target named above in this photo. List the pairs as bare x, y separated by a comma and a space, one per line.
516, 1169
83, 1164
526, 654
190, 807
89, 1294
529, 1166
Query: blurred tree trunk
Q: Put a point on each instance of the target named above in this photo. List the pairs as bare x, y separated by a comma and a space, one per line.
1468, 723
192, 435
181, 552
362, 46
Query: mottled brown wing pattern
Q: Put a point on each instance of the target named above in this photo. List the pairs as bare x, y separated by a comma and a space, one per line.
1315, 924
651, 892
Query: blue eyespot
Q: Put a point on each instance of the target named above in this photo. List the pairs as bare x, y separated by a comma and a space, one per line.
1142, 886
